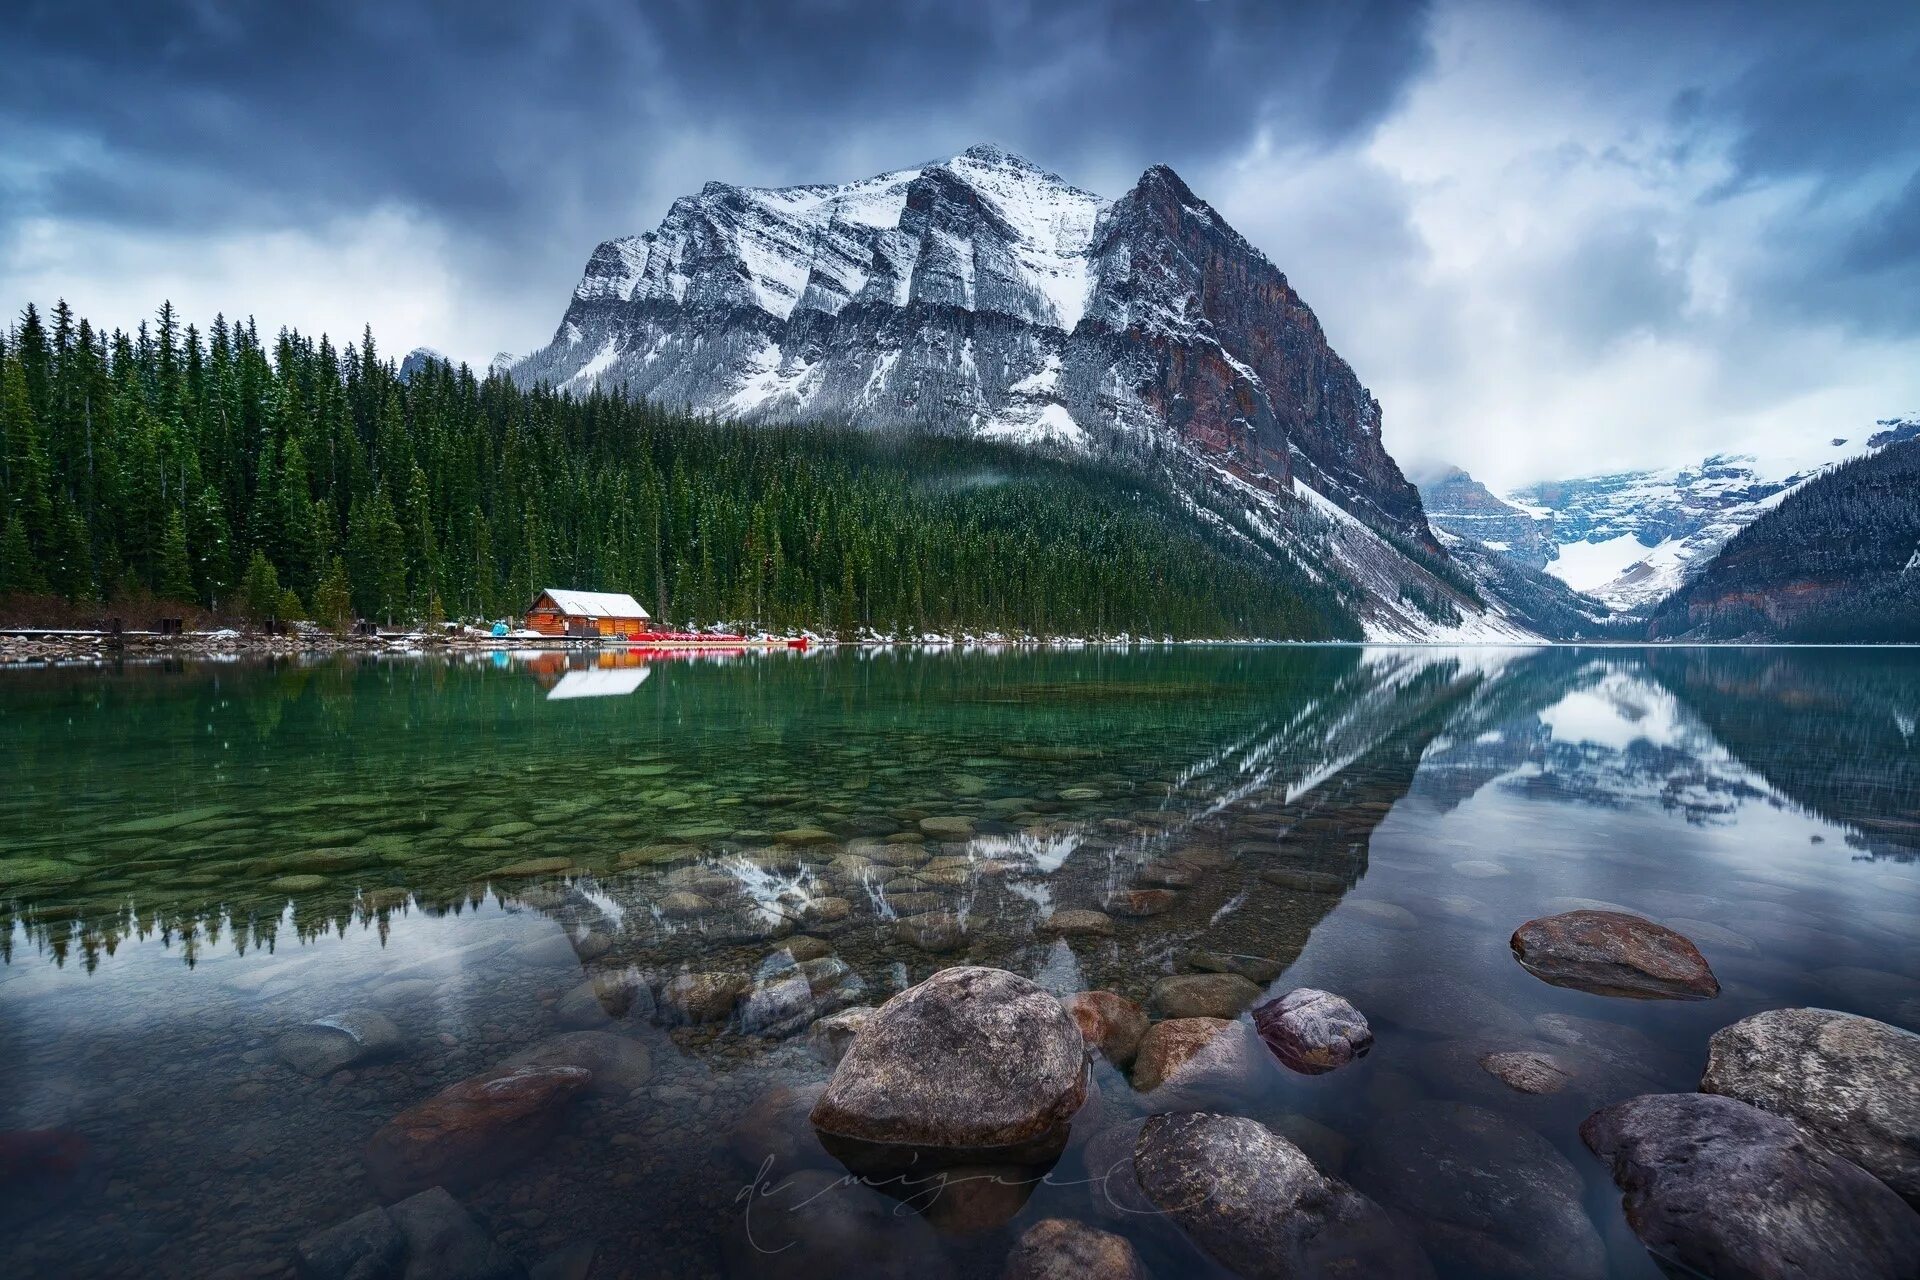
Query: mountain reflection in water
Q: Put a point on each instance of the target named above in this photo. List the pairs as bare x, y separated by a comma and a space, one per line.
197, 859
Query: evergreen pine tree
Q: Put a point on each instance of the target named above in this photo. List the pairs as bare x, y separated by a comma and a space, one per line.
174, 576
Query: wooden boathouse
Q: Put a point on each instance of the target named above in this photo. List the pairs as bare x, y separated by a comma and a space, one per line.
587, 614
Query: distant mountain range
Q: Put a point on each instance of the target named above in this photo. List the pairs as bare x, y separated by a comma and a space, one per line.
1631, 539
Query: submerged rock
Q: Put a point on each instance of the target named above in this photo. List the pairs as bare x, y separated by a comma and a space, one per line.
1074, 923
1313, 1031
816, 1225
775, 1132
973, 1066
1852, 1082
473, 1130
1611, 953
1202, 995
327, 1045
1110, 1023
605, 997
1254, 1202
429, 1236
701, 997
619, 1064
1140, 902
1528, 1071
829, 1037
1062, 1249
1726, 1189
1486, 1196
934, 931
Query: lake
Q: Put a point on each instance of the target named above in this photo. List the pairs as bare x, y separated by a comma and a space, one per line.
455, 861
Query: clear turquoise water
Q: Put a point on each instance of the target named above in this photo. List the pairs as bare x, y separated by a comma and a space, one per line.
197, 857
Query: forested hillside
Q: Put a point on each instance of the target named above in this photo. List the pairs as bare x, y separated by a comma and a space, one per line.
1837, 560
300, 479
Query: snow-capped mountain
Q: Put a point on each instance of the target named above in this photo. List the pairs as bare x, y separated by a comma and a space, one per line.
1632, 538
416, 360
983, 295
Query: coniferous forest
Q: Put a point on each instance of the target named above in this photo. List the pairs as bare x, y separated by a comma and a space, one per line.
294, 479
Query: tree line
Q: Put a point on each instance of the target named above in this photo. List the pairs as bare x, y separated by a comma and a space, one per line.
297, 479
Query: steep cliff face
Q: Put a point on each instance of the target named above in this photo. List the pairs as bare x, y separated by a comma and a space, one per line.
1458, 504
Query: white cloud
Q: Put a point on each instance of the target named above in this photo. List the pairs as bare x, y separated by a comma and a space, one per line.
1539, 271
388, 267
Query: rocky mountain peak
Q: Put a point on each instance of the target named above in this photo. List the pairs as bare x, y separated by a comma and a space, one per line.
983, 295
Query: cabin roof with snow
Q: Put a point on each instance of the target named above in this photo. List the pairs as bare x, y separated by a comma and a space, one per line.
592, 604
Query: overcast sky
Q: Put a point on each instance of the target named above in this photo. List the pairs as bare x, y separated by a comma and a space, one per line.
1553, 239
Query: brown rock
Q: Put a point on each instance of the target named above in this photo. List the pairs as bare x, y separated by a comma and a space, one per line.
1170, 1046
1078, 924
1061, 1249
1110, 1023
472, 1131
1528, 1072
701, 997
1140, 902
1611, 953
1202, 995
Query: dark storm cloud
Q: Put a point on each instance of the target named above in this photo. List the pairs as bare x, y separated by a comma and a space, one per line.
492, 116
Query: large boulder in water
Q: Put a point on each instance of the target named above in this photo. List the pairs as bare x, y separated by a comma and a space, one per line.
1254, 1203
1727, 1190
973, 1066
1611, 953
1485, 1195
1852, 1082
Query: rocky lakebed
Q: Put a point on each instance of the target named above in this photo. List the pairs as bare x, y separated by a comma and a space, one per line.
1415, 965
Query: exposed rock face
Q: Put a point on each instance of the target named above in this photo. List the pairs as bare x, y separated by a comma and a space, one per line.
1458, 504
1110, 1023
1728, 1190
1485, 1195
473, 1130
1257, 1205
1313, 1031
1611, 953
973, 1066
1852, 1082
1062, 1249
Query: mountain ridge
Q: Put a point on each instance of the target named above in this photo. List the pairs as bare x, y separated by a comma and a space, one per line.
984, 296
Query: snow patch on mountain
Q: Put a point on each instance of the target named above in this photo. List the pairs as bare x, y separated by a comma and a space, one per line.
1632, 538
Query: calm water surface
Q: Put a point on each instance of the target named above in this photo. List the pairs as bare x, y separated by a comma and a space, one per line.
196, 858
